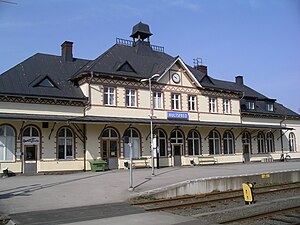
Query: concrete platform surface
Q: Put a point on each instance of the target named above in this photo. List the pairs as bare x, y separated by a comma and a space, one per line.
149, 218
46, 192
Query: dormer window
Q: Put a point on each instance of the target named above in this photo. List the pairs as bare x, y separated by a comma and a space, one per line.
250, 105
270, 107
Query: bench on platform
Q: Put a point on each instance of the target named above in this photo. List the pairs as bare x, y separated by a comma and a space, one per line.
140, 163
207, 160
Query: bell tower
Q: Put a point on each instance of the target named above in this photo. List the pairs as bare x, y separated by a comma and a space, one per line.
140, 32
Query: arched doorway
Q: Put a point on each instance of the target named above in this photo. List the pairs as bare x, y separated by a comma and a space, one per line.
110, 147
31, 148
246, 140
177, 143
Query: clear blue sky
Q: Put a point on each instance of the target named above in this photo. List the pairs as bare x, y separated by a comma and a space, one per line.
259, 39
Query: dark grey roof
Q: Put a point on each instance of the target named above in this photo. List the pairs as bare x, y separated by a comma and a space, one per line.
141, 58
30, 78
248, 93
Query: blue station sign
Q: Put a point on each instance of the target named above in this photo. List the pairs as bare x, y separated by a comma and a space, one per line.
178, 115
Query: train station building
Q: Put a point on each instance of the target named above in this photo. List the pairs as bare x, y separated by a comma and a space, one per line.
58, 112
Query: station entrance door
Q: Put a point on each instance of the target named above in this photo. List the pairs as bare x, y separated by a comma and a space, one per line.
177, 152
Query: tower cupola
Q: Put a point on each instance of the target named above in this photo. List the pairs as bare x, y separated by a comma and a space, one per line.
141, 31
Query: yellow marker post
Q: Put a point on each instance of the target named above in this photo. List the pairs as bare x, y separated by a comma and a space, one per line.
248, 194
265, 176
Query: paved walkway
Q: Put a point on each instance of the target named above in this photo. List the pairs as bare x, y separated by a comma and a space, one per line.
47, 192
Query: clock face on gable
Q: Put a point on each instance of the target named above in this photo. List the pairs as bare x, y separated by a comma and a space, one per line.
176, 78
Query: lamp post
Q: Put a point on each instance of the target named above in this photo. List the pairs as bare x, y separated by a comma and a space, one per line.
151, 118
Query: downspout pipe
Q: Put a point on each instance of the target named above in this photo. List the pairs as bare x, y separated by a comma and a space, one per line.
88, 106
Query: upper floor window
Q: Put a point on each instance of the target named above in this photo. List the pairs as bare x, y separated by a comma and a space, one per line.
7, 143
250, 105
192, 103
157, 100
109, 96
176, 101
212, 104
131, 97
292, 142
226, 106
270, 107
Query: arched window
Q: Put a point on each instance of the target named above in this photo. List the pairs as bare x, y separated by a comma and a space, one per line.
177, 137
194, 143
270, 142
30, 132
161, 141
134, 139
261, 142
65, 140
214, 143
7, 143
292, 142
228, 142
246, 138
109, 143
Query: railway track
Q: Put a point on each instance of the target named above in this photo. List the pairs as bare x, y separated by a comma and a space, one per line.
211, 198
289, 215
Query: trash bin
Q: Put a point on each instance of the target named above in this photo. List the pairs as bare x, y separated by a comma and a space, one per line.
98, 165
5, 172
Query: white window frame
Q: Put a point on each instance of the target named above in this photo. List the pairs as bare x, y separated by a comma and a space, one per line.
215, 140
192, 103
261, 143
292, 142
175, 101
131, 98
270, 107
193, 137
157, 100
110, 93
227, 140
226, 106
212, 104
4, 144
270, 142
250, 105
65, 139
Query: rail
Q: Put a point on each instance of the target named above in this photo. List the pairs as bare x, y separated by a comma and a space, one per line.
182, 202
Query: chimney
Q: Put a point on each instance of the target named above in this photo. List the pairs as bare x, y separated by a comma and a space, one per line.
239, 80
201, 68
66, 51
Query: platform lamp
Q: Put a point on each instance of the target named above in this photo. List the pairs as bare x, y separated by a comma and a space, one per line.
151, 117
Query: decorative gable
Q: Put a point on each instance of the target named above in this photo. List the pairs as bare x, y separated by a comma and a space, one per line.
179, 74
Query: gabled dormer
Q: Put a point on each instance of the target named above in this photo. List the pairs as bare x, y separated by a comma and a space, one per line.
45, 81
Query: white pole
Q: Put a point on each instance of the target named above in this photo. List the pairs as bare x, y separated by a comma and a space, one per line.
130, 168
151, 127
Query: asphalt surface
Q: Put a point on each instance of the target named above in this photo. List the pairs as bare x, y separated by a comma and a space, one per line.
76, 198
